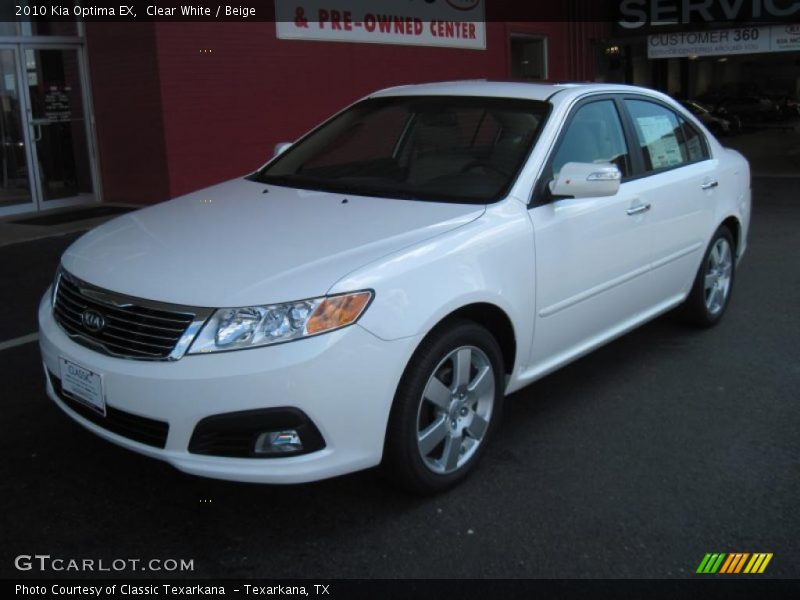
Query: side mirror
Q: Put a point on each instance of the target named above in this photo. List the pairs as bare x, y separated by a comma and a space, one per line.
281, 148
586, 180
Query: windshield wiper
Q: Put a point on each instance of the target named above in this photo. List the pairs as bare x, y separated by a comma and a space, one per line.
275, 179
359, 190
332, 185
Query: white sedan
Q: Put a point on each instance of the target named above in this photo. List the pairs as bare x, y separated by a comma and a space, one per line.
371, 294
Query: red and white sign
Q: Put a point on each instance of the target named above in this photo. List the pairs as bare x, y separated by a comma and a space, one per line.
446, 23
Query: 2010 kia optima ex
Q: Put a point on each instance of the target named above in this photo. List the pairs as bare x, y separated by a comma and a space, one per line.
373, 292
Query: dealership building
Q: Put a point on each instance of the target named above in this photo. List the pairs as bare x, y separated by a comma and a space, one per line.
138, 112
730, 59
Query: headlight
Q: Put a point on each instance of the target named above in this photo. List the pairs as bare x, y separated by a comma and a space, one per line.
252, 326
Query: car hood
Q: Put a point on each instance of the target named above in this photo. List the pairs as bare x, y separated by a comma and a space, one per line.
243, 243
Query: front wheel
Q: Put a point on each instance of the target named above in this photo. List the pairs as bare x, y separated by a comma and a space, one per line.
711, 291
447, 405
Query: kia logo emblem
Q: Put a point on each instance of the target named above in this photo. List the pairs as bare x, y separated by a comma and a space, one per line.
93, 320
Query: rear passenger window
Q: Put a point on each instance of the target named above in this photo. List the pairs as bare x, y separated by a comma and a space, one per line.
696, 148
666, 139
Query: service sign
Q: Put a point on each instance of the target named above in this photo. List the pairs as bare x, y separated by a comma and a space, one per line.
445, 23
721, 42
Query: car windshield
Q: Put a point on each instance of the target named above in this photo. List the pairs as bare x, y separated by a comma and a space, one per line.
435, 148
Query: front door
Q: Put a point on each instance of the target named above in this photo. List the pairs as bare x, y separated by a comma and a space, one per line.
47, 158
592, 254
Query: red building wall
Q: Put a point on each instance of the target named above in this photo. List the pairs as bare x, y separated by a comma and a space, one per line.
230, 91
129, 121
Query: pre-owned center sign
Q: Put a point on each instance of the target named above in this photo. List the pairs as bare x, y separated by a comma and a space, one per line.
720, 42
448, 23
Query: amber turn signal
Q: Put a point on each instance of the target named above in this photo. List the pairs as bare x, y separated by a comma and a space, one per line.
338, 311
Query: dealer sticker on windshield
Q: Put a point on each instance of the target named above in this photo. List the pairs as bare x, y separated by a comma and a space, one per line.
83, 385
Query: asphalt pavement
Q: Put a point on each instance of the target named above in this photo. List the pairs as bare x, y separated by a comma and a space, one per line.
635, 461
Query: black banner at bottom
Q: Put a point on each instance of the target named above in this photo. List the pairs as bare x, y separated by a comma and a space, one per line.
408, 589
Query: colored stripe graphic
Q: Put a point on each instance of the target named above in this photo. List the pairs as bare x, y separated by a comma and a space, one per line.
754, 562
734, 563
703, 563
717, 564
741, 562
727, 564
765, 563
758, 563
711, 563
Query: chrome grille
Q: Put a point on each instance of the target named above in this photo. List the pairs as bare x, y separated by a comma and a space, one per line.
131, 327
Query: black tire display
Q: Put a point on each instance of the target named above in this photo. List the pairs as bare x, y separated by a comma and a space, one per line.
448, 403
713, 285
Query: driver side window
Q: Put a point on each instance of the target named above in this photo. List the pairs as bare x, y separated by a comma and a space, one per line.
594, 135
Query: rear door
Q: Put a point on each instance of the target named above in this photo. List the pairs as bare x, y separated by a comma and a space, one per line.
677, 181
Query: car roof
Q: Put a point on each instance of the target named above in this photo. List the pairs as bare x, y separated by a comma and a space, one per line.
509, 89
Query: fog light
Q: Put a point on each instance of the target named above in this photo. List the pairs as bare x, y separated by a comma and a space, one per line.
278, 442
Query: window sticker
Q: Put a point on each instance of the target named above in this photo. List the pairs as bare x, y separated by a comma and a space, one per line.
658, 134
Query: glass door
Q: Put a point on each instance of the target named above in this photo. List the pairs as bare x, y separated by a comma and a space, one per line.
57, 120
16, 180
46, 151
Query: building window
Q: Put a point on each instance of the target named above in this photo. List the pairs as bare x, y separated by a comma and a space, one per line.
528, 57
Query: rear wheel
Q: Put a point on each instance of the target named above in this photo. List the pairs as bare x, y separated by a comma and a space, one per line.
711, 291
446, 408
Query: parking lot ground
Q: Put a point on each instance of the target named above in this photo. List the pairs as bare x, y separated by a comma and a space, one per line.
772, 149
635, 461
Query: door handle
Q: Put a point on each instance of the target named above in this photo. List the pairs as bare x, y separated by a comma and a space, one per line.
37, 128
708, 185
638, 209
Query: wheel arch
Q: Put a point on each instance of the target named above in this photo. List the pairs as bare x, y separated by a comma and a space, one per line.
733, 224
494, 319
401, 461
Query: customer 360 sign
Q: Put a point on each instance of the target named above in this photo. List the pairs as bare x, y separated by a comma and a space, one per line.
447, 23
721, 42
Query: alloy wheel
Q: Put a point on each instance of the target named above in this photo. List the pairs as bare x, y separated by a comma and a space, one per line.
718, 276
455, 409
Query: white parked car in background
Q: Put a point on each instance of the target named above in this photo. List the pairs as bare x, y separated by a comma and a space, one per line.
371, 294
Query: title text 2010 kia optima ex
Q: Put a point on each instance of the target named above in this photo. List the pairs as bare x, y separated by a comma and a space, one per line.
371, 294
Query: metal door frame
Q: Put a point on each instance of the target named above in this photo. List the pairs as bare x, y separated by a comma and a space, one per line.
19, 45
87, 118
22, 96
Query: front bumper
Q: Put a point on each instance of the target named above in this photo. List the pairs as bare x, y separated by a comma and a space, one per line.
343, 381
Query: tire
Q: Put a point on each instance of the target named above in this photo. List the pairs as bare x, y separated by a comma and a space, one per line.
713, 284
444, 414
